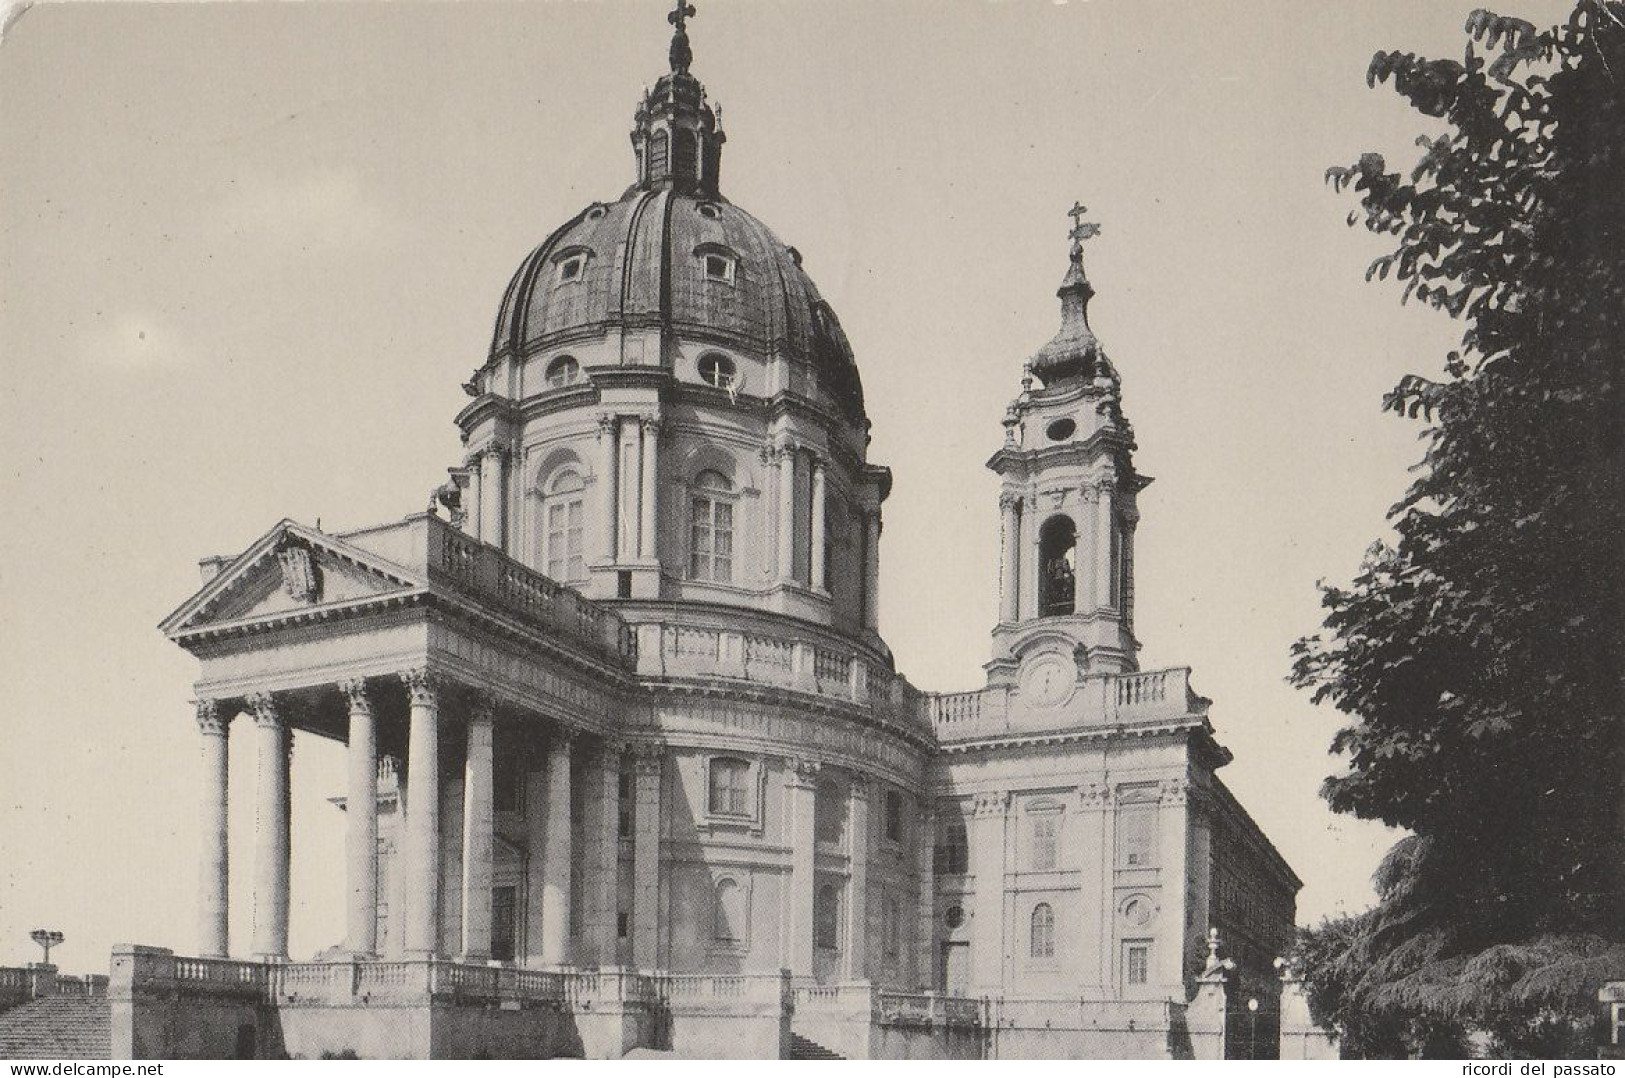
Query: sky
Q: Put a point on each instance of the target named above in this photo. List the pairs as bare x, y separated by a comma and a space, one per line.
249, 252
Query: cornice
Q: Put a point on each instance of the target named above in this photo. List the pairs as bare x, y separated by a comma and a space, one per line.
794, 701
1118, 732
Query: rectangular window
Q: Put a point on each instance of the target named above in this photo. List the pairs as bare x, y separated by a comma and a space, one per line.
728, 795
623, 925
1043, 851
894, 816
623, 806
1136, 962
565, 558
711, 540
1137, 836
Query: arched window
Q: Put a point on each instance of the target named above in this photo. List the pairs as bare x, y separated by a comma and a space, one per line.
1041, 937
827, 918
730, 790
563, 371
563, 515
718, 370
728, 916
1057, 557
953, 849
711, 528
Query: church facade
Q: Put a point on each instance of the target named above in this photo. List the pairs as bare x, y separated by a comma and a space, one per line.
618, 700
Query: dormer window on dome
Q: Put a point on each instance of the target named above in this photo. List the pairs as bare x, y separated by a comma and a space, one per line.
570, 265
721, 264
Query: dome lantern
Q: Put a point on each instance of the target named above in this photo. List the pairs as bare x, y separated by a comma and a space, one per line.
676, 135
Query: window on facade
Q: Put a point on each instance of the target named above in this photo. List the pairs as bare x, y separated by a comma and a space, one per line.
827, 918
1117, 560
829, 813
728, 917
1041, 934
504, 922
563, 371
953, 848
1057, 563
718, 370
894, 816
1136, 962
570, 269
623, 805
729, 787
1043, 848
711, 528
892, 927
719, 267
623, 925
1136, 836
562, 508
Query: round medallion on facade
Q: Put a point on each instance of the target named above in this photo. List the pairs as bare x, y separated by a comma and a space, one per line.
1048, 679
1139, 911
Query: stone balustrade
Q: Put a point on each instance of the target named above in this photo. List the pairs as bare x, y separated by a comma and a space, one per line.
884, 1006
802, 665
1104, 701
484, 571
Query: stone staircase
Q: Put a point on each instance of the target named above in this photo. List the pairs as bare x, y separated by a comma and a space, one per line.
57, 1027
802, 1048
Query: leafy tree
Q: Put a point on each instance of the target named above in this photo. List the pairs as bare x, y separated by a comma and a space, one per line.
1481, 656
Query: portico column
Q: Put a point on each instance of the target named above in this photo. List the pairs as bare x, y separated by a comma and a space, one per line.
647, 759
871, 559
787, 512
818, 537
271, 818
801, 795
556, 854
361, 822
857, 906
1010, 570
478, 832
603, 850
422, 855
213, 875
609, 441
650, 480
987, 955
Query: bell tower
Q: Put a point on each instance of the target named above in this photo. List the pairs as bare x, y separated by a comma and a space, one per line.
1067, 504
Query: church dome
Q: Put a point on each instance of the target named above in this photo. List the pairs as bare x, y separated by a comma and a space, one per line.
687, 260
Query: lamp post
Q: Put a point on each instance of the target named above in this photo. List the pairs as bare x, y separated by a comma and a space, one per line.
47, 939
1252, 1024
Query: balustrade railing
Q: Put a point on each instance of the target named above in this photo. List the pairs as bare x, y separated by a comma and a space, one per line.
487, 572
1096, 700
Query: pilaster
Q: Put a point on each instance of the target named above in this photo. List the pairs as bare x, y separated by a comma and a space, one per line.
801, 802
988, 944
647, 760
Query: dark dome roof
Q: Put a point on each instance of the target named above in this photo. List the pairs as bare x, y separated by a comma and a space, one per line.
645, 265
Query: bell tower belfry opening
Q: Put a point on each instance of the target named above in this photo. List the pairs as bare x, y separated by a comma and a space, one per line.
1067, 503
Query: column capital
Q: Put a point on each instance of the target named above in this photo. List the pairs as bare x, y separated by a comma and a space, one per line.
606, 423
482, 709
860, 787
263, 706
604, 750
355, 695
495, 449
651, 424
991, 805
803, 772
647, 757
1095, 795
422, 686
1174, 791
563, 737
1010, 499
212, 719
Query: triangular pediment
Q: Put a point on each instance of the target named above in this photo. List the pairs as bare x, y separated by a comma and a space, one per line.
289, 570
